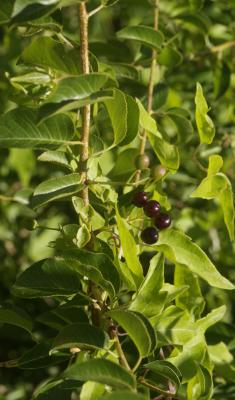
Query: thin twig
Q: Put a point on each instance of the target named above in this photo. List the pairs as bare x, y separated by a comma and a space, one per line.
156, 388
96, 10
150, 87
5, 198
222, 47
122, 358
86, 111
136, 366
111, 183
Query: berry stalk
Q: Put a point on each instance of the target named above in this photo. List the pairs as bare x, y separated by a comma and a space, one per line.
150, 87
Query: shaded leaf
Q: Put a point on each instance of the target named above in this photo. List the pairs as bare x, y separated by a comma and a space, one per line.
103, 371
167, 370
222, 77
49, 53
18, 128
16, 316
143, 34
100, 261
39, 357
169, 57
83, 336
49, 277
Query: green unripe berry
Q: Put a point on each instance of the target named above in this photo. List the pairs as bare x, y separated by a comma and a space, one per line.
142, 161
158, 171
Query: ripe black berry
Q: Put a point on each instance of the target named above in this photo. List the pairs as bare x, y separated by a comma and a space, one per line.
163, 221
140, 199
152, 208
142, 161
149, 235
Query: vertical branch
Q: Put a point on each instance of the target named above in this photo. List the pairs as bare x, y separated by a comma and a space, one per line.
86, 111
150, 86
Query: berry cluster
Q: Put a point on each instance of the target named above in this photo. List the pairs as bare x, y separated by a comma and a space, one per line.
152, 210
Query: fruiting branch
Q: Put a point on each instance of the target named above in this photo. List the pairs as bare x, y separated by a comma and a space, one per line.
86, 111
150, 86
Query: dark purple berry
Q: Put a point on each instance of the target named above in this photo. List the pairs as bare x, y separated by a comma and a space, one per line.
152, 208
149, 235
140, 199
163, 221
142, 161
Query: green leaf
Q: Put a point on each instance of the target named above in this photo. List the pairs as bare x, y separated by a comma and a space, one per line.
220, 354
39, 357
16, 316
77, 87
169, 57
218, 187
129, 249
83, 336
23, 162
83, 236
222, 77
49, 53
18, 128
167, 153
179, 248
103, 371
20, 5
210, 319
98, 273
183, 125
88, 214
138, 329
122, 396
117, 107
63, 315
49, 277
55, 389
143, 34
75, 92
56, 188
146, 121
91, 390
148, 300
25, 10
204, 123
5, 11
191, 299
166, 370
49, 109
215, 164
55, 157
132, 120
